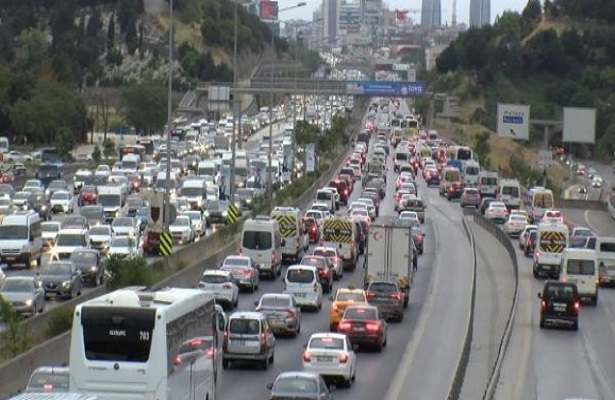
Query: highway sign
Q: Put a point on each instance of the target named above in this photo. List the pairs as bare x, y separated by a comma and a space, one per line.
579, 125
514, 121
166, 244
232, 213
390, 89
545, 158
310, 157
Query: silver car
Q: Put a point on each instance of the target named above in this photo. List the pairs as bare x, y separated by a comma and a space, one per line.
25, 294
48, 380
282, 311
243, 270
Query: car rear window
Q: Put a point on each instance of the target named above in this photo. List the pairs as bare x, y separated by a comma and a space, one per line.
360, 313
382, 287
560, 292
275, 302
350, 296
244, 326
327, 343
314, 261
301, 275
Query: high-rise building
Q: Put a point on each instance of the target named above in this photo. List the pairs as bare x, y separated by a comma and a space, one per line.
480, 12
331, 20
431, 14
350, 17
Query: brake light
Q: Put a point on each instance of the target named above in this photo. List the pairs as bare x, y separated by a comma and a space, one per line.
343, 326
307, 357
346, 192
47, 386
227, 286
210, 353
372, 327
322, 272
396, 296
263, 340
272, 256
343, 358
543, 304
562, 279
313, 229
370, 294
225, 341
290, 314
576, 306
352, 243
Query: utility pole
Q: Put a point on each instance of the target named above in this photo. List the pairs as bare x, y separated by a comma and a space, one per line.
167, 190
270, 152
235, 115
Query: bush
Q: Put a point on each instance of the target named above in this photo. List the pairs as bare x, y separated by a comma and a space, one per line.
109, 148
96, 154
128, 271
15, 337
61, 321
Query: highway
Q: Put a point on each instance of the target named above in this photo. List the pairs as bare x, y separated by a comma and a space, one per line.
422, 352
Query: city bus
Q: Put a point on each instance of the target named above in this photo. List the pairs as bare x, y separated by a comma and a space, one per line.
133, 149
149, 145
143, 345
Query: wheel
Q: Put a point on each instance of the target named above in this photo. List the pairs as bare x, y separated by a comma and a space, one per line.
542, 323
386, 340
575, 326
272, 358
42, 309
347, 382
265, 364
225, 363
39, 262
380, 346
79, 292
535, 274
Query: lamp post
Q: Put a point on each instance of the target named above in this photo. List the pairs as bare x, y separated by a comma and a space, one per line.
236, 106
167, 191
270, 152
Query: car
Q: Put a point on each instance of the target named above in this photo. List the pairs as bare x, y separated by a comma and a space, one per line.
530, 244
126, 226
20, 200
88, 195
553, 216
61, 202
50, 230
197, 222
388, 297
61, 278
525, 235
515, 225
38, 203
454, 191
410, 216
222, 285
17, 156
124, 246
6, 205
331, 355
56, 185
90, 263
313, 229
244, 271
24, 293
293, 385
324, 267
419, 238
484, 204
94, 214
282, 311
248, 338
470, 197
496, 212
364, 326
48, 380
216, 212
343, 298
559, 304
75, 222
101, 237
334, 256
181, 229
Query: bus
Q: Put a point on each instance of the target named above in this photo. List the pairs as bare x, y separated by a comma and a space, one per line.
50, 155
137, 344
149, 145
133, 149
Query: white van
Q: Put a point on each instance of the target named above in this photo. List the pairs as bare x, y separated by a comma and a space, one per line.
302, 282
553, 239
471, 173
261, 241
195, 193
580, 266
509, 192
21, 238
605, 250
488, 184
402, 157
326, 196
293, 231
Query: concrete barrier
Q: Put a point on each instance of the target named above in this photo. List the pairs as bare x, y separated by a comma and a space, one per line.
581, 204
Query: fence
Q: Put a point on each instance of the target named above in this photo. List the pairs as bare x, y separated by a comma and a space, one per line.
494, 230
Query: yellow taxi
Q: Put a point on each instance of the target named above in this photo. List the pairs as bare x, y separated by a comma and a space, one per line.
343, 298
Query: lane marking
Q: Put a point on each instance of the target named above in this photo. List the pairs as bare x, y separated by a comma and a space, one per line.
527, 332
589, 224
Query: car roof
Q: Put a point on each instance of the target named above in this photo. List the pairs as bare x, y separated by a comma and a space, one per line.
276, 296
52, 370
363, 306
328, 334
299, 374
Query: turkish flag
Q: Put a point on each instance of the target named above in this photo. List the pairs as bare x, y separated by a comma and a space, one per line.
400, 15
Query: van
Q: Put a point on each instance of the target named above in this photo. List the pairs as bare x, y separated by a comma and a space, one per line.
248, 337
553, 239
580, 266
292, 230
21, 238
303, 283
262, 242
509, 192
343, 234
208, 168
471, 173
326, 196
417, 205
195, 193
402, 157
605, 250
449, 175
488, 183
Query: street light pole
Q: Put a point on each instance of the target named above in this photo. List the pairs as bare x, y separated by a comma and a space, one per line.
167, 192
235, 115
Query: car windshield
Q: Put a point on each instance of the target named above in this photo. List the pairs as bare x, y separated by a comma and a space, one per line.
56, 185
57, 268
182, 221
16, 286
5, 202
121, 242
300, 275
350, 296
46, 381
214, 278
295, 385
50, 228
236, 262
244, 326
71, 239
134, 202
123, 221
275, 302
327, 343
12, 232
100, 231
518, 218
21, 196
60, 196
83, 257
74, 221
583, 233
257, 240
360, 313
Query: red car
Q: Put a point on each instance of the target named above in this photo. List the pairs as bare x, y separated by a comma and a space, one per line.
313, 229
88, 195
134, 183
364, 326
342, 189
418, 236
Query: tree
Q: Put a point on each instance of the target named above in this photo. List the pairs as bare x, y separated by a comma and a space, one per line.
33, 48
14, 336
96, 154
109, 148
146, 105
111, 32
102, 109
482, 149
130, 271
132, 41
65, 142
532, 11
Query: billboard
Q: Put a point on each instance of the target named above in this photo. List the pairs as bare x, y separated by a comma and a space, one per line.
391, 89
310, 157
579, 125
514, 121
268, 10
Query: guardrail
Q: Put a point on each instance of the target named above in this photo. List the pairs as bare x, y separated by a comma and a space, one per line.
462, 365
211, 251
494, 230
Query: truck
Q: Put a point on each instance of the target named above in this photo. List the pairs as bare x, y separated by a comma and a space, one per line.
111, 198
391, 255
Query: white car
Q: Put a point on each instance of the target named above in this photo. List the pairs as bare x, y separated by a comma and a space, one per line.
334, 256
525, 235
6, 205
520, 212
411, 215
20, 199
33, 184
101, 237
497, 212
197, 221
331, 355
317, 215
181, 230
124, 226
322, 207
125, 246
61, 202
17, 156
515, 225
222, 285
103, 170
49, 233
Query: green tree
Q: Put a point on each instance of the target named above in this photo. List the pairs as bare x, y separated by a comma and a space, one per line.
482, 149
65, 142
532, 11
14, 335
96, 154
109, 150
146, 105
130, 271
132, 41
111, 32
33, 48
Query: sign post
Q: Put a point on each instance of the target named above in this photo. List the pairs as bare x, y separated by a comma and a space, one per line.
310, 157
514, 121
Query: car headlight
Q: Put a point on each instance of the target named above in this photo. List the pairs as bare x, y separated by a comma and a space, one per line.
94, 268
43, 208
248, 201
224, 213
66, 284
206, 213
28, 303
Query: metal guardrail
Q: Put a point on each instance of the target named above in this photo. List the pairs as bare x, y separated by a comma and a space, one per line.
462, 365
494, 230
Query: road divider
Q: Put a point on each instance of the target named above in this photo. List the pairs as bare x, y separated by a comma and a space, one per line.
499, 234
462, 365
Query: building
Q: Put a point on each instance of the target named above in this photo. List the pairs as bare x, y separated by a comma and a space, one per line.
480, 13
431, 55
331, 20
350, 17
431, 14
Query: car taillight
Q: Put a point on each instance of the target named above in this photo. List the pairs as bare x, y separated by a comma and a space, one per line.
396, 296
272, 256
346, 192
343, 326
263, 339
225, 340
297, 243
290, 314
370, 294
313, 229
227, 286
307, 357
352, 243
47, 386
576, 306
322, 272
372, 327
543, 305
343, 358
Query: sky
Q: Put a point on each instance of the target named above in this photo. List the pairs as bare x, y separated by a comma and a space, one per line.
463, 8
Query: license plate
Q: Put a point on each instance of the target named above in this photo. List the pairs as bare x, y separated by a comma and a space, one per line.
359, 329
324, 359
300, 295
252, 343
559, 307
238, 342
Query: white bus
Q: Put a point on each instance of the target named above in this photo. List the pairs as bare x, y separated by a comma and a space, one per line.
145, 345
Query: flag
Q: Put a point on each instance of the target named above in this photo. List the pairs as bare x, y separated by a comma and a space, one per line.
400, 15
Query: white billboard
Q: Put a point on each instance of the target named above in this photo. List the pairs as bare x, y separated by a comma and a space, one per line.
579, 125
514, 121
310, 157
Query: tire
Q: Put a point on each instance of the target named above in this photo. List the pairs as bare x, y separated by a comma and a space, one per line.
272, 358
595, 300
265, 364
575, 326
225, 363
542, 323
39, 261
380, 346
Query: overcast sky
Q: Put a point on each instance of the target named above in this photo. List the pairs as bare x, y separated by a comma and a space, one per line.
463, 8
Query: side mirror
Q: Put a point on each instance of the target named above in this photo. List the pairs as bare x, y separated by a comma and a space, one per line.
331, 298
256, 303
269, 385
539, 295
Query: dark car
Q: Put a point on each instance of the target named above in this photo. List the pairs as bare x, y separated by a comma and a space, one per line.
48, 172
56, 185
38, 203
388, 297
298, 386
364, 326
94, 214
325, 270
245, 197
88, 196
216, 212
61, 278
484, 204
89, 262
433, 179
559, 304
454, 191
24, 293
530, 246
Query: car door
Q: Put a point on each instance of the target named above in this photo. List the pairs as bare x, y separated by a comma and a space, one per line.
269, 335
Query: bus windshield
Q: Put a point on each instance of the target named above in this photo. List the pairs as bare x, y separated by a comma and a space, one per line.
148, 144
132, 149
